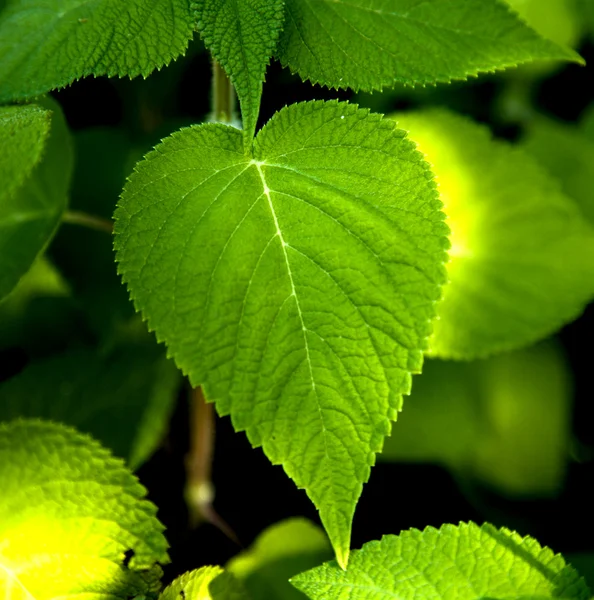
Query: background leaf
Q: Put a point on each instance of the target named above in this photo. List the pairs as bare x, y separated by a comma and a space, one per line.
504, 421
280, 552
123, 398
25, 130
369, 44
29, 216
567, 153
272, 281
206, 583
453, 563
242, 35
555, 20
522, 256
104, 156
39, 315
584, 563
44, 46
70, 514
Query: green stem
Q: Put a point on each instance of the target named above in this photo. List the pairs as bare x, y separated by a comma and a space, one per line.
75, 217
199, 492
199, 488
223, 95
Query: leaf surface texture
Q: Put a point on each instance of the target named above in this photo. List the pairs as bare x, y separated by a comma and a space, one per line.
297, 285
70, 514
453, 563
206, 583
369, 44
47, 44
242, 35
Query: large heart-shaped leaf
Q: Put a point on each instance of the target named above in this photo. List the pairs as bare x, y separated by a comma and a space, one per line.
297, 285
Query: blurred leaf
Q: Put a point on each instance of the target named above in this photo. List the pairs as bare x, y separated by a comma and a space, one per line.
41, 279
587, 121
556, 20
206, 583
69, 515
441, 422
466, 562
39, 315
30, 215
568, 154
123, 399
526, 426
522, 255
280, 552
86, 257
584, 565
586, 10
504, 421
24, 131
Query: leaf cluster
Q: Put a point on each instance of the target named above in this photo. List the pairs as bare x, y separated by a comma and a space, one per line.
299, 274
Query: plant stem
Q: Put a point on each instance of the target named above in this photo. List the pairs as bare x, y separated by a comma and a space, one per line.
223, 95
199, 488
199, 491
75, 217
199, 460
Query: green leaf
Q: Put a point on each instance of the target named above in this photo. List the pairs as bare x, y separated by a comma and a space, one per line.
556, 20
30, 215
568, 154
44, 46
71, 517
124, 399
505, 421
39, 316
280, 552
584, 563
297, 285
369, 44
587, 122
206, 583
467, 562
586, 9
522, 256
242, 35
86, 257
24, 131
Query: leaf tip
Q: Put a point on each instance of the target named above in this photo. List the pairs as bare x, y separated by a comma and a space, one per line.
342, 557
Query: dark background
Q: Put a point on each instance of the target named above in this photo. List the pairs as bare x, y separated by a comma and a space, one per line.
251, 493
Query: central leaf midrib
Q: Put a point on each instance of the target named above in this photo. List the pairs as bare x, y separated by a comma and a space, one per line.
266, 192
